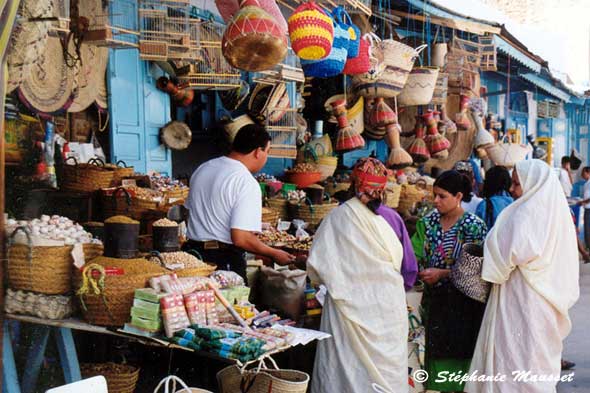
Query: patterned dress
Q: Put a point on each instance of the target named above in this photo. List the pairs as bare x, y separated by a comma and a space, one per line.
452, 319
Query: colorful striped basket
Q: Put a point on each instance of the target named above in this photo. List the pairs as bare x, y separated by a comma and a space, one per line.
311, 32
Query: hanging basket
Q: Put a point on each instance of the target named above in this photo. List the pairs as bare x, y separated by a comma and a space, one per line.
439, 97
311, 32
419, 87
88, 177
507, 154
121, 378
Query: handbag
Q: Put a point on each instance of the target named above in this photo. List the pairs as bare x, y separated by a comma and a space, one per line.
466, 273
362, 62
354, 33
169, 386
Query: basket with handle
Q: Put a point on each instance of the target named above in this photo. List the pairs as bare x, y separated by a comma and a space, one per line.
326, 164
121, 378
106, 298
168, 385
88, 177
204, 271
506, 153
466, 273
235, 379
121, 171
279, 205
310, 213
42, 269
419, 87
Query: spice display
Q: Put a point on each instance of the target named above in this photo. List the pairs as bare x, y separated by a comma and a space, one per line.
296, 195
273, 237
265, 178
164, 222
120, 220
302, 244
303, 168
165, 183
179, 260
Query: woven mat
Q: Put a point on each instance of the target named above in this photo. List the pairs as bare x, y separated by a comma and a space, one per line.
90, 78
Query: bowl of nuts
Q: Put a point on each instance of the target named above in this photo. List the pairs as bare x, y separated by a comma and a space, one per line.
304, 175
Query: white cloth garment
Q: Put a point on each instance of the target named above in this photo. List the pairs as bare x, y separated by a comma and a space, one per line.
223, 196
531, 257
586, 194
357, 256
471, 206
566, 182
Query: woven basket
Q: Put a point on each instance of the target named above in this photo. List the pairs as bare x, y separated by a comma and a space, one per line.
196, 272
270, 216
410, 195
419, 87
439, 97
279, 205
312, 214
262, 381
88, 177
327, 166
176, 193
43, 269
507, 154
393, 195
121, 378
120, 172
112, 306
332, 188
311, 32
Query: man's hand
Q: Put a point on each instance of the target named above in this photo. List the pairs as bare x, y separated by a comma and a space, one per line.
433, 275
282, 257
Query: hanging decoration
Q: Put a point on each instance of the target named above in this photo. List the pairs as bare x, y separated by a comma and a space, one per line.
311, 32
437, 144
418, 149
348, 138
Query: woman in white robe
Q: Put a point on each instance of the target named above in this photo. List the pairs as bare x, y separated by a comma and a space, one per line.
531, 257
357, 256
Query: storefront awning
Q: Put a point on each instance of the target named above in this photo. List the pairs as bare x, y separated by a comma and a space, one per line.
546, 86
505, 47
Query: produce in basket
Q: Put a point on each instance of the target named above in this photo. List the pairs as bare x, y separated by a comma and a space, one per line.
120, 220
53, 229
164, 222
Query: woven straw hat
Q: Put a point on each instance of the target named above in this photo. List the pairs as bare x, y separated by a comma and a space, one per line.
28, 40
48, 87
176, 135
90, 77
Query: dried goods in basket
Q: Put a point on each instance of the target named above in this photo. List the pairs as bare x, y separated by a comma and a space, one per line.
279, 205
183, 264
43, 269
105, 288
121, 171
411, 194
121, 378
38, 304
88, 177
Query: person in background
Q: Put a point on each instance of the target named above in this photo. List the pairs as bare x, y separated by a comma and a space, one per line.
532, 262
471, 200
585, 202
451, 318
496, 195
357, 255
225, 205
565, 176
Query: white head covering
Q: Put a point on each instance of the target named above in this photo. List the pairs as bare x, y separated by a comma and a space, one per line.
536, 235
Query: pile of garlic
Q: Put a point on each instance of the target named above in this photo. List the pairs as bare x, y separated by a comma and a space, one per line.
54, 228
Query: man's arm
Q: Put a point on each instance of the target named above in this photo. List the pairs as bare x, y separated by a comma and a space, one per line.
248, 241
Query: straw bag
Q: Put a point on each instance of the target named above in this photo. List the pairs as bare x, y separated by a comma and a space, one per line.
354, 33
507, 154
42, 269
169, 385
280, 205
326, 164
234, 379
362, 62
410, 195
311, 214
392, 195
121, 378
311, 32
270, 216
398, 60
88, 177
439, 97
466, 273
105, 296
333, 64
253, 41
419, 87
121, 171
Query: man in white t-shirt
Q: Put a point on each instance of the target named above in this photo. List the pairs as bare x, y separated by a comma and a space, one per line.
565, 178
225, 204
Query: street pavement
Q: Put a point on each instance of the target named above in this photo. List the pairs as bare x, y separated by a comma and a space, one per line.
577, 344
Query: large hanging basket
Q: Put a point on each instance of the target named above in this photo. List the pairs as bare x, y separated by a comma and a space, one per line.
419, 87
312, 214
311, 32
111, 306
253, 41
88, 177
439, 97
43, 269
121, 378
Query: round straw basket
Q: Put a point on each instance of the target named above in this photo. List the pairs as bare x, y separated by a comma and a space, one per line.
196, 272
410, 196
112, 306
88, 79
86, 177
176, 193
312, 214
262, 381
48, 85
43, 269
392, 195
419, 87
327, 166
270, 216
121, 378
439, 97
122, 172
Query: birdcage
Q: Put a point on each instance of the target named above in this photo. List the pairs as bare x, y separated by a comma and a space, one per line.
281, 124
288, 71
208, 69
61, 11
115, 26
164, 30
472, 51
488, 53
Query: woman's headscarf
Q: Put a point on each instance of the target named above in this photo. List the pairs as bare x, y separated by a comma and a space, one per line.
369, 177
536, 235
